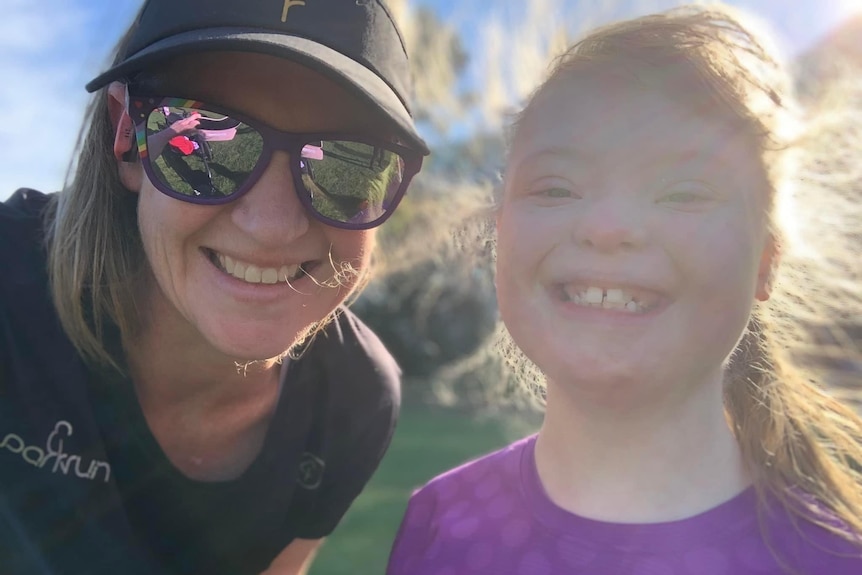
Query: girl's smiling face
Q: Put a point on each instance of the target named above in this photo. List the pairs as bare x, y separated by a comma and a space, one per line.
632, 240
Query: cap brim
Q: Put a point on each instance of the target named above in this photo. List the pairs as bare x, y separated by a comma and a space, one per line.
350, 74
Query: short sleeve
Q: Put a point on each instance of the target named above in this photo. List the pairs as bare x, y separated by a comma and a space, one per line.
23, 286
339, 493
362, 405
413, 534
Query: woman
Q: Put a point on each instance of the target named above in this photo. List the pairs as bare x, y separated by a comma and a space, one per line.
181, 387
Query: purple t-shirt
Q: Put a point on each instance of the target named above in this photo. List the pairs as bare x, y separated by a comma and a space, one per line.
493, 517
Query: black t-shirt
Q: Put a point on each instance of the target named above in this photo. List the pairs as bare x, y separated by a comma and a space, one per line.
85, 487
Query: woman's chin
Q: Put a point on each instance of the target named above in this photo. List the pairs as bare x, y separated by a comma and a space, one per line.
255, 349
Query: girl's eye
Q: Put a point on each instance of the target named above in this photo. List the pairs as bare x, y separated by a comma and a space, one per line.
557, 193
682, 197
687, 194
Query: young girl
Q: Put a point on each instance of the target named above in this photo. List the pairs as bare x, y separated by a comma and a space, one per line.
181, 387
637, 247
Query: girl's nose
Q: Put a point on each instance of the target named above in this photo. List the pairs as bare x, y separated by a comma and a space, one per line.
611, 222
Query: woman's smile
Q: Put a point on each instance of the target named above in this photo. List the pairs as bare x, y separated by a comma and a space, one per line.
259, 273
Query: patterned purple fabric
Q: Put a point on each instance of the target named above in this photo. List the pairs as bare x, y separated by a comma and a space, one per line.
492, 517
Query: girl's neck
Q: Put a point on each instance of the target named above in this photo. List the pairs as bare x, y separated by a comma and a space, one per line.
644, 463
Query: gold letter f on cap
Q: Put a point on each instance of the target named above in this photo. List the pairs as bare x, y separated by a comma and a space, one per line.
287, 5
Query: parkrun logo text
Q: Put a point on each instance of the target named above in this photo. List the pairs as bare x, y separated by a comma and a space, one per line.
53, 453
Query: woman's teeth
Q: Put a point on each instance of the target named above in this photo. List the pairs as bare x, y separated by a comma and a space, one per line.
256, 275
605, 298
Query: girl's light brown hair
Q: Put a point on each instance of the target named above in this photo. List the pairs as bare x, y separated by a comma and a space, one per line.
799, 444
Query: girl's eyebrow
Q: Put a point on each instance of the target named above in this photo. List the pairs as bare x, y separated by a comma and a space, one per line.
710, 154
683, 154
704, 156
557, 153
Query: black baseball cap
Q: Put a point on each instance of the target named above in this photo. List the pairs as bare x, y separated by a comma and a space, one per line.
353, 42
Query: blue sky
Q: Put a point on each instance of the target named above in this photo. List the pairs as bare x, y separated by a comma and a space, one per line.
51, 48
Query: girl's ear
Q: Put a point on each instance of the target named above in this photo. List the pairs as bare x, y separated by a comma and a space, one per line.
124, 138
766, 272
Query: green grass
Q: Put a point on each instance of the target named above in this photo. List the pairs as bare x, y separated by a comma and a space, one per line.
428, 441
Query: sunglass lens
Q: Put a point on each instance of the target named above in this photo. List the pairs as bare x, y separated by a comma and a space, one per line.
350, 182
201, 154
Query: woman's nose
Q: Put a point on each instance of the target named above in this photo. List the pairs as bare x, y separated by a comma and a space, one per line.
271, 211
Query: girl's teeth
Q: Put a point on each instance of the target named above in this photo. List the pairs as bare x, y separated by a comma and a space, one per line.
254, 274
612, 298
594, 295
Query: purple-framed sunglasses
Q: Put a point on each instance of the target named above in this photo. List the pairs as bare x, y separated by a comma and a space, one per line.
205, 154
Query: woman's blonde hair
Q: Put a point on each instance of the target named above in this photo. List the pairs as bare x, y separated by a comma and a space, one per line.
800, 444
95, 254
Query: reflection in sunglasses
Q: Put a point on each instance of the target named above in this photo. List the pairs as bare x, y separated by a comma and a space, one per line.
195, 153
312, 152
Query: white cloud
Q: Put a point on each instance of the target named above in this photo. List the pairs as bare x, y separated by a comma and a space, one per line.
43, 48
